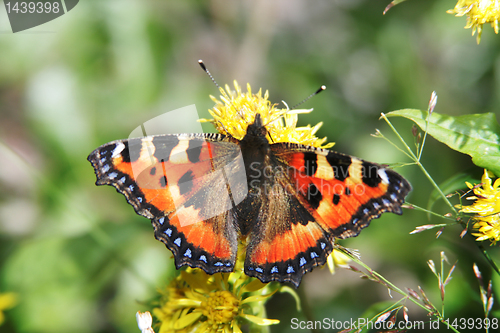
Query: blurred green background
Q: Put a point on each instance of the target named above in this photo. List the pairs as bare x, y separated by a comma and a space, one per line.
78, 256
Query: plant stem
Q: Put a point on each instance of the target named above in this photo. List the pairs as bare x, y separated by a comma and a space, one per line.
433, 213
413, 157
394, 288
425, 136
488, 258
436, 187
417, 162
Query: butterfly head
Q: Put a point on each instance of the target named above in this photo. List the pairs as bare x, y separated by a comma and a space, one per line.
256, 130
258, 120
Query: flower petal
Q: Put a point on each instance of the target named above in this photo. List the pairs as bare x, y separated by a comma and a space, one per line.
187, 320
260, 321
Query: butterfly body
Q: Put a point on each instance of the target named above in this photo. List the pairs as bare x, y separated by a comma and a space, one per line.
204, 191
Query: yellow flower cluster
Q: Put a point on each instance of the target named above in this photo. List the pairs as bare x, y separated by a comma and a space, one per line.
236, 110
487, 208
478, 12
198, 302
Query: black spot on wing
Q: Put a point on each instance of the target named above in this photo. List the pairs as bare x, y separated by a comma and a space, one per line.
310, 163
194, 151
340, 165
125, 153
186, 183
132, 150
152, 172
314, 196
370, 175
347, 191
163, 147
336, 199
163, 181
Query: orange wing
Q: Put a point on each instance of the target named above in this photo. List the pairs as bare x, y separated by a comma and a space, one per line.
343, 192
315, 196
285, 242
187, 185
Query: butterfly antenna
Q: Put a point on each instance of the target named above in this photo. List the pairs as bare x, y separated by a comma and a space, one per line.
323, 87
217, 85
202, 65
208, 73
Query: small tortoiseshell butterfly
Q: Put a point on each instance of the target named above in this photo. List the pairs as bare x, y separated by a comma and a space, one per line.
289, 201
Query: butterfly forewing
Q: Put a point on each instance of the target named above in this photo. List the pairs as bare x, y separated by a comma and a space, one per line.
181, 182
343, 192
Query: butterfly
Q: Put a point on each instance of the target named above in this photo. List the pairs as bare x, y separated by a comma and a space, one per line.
287, 201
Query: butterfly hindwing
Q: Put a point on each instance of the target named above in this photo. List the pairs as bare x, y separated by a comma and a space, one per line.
286, 242
181, 183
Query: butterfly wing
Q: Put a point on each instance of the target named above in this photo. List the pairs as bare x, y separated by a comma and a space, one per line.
285, 241
316, 196
187, 185
344, 193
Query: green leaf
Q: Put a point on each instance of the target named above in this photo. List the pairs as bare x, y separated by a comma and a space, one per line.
477, 135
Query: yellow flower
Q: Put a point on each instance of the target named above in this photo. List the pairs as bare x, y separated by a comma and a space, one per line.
236, 110
337, 259
487, 208
478, 12
198, 302
7, 301
488, 227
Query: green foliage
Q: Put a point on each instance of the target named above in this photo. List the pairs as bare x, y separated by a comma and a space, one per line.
477, 135
451, 185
